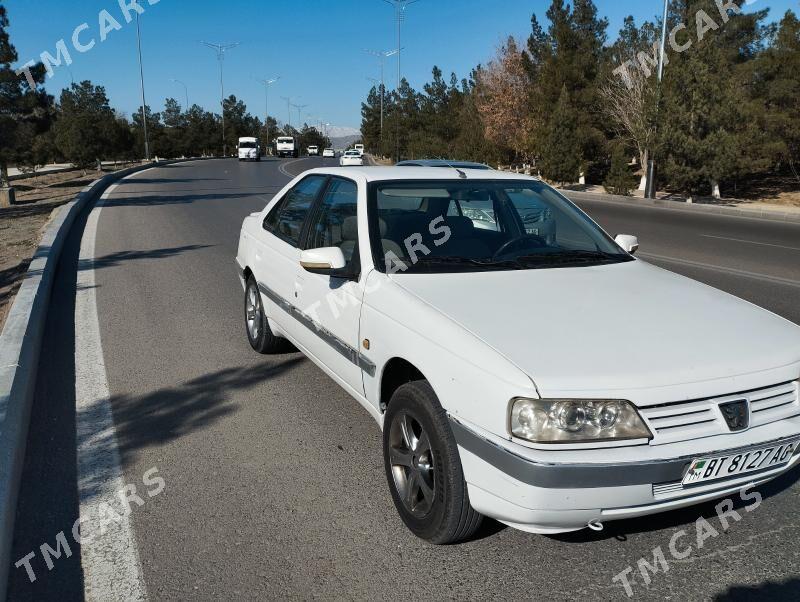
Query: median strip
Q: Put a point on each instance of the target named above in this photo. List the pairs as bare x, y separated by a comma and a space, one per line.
20, 344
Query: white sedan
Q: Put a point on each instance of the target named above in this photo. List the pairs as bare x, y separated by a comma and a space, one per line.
328, 152
550, 382
351, 157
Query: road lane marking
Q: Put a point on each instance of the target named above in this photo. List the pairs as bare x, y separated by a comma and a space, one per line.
751, 242
718, 268
282, 167
112, 569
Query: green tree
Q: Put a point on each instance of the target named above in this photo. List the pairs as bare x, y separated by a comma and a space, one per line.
619, 179
561, 162
569, 55
202, 133
371, 122
238, 122
703, 133
24, 113
776, 80
156, 136
309, 136
85, 125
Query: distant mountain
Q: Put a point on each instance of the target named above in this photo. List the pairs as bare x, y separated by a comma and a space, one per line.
343, 136
344, 141
339, 131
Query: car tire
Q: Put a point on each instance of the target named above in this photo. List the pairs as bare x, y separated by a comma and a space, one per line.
256, 324
423, 467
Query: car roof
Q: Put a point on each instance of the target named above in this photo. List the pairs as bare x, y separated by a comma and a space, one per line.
443, 163
381, 173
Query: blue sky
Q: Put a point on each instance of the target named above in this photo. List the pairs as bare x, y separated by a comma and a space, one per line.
314, 45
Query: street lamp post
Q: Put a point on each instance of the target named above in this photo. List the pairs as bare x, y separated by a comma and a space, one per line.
400, 12
267, 83
141, 80
382, 56
299, 114
221, 49
288, 100
650, 185
185, 91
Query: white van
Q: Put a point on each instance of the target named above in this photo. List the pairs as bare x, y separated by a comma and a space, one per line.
249, 149
359, 148
313, 150
286, 146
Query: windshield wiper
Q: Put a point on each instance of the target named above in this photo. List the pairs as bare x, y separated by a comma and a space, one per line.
567, 256
454, 260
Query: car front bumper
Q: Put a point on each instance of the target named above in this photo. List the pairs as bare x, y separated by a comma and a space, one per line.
550, 497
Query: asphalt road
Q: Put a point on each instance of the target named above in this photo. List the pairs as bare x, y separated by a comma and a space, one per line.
274, 486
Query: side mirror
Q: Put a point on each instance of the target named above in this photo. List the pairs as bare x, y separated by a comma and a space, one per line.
322, 261
630, 244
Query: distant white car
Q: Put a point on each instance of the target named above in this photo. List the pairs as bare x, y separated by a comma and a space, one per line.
351, 157
313, 150
328, 152
551, 381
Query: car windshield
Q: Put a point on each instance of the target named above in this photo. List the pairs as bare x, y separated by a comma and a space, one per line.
461, 226
247, 144
285, 140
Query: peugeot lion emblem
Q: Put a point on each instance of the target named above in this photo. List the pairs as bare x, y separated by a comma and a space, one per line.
736, 413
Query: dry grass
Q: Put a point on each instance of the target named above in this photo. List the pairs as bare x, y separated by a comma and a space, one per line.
22, 225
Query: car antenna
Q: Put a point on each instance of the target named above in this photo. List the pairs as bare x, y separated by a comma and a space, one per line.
461, 174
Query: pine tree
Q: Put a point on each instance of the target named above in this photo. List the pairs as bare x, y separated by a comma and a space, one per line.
569, 55
561, 151
703, 135
777, 78
24, 113
371, 122
619, 180
85, 125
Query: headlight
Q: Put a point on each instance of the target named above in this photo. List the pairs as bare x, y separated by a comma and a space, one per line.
575, 420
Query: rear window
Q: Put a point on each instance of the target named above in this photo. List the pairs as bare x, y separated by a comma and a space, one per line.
247, 144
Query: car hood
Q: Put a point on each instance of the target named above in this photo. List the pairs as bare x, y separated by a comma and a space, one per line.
621, 327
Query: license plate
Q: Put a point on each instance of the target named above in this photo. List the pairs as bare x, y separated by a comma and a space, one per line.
703, 470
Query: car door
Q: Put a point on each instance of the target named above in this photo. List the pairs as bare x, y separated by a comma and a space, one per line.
333, 304
277, 252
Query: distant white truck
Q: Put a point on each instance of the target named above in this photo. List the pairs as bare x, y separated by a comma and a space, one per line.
249, 149
286, 146
313, 150
359, 148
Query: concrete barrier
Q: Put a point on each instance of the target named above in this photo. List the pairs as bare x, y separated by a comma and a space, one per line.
20, 343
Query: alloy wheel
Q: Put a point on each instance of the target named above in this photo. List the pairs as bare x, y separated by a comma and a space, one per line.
253, 312
412, 463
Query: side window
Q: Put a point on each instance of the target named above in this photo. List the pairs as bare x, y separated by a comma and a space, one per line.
287, 218
336, 222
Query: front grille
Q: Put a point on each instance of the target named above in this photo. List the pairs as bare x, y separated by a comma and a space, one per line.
681, 421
